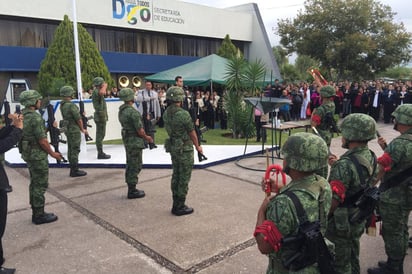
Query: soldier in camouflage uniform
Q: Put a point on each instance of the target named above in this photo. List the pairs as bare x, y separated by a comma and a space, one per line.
133, 135
100, 114
277, 216
74, 127
318, 118
34, 148
349, 176
396, 192
182, 137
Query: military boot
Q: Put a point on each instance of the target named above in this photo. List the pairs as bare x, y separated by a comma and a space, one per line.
4, 270
134, 193
183, 210
103, 155
76, 172
40, 217
389, 267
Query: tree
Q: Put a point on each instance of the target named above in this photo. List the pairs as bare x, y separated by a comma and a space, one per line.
303, 63
58, 67
242, 78
281, 55
397, 73
357, 37
228, 49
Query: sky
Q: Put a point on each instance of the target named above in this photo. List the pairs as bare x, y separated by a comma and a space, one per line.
272, 11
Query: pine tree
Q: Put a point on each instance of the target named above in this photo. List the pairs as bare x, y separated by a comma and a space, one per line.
59, 64
228, 49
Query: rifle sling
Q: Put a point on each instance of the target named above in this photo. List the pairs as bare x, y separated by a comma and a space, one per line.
350, 201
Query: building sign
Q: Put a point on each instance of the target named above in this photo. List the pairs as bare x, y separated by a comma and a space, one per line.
144, 12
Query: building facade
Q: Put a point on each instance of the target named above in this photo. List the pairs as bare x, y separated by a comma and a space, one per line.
135, 37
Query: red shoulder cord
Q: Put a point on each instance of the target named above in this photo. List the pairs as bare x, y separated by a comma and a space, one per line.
277, 169
385, 161
316, 119
271, 234
339, 189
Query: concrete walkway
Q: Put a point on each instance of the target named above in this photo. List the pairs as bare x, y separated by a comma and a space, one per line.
100, 231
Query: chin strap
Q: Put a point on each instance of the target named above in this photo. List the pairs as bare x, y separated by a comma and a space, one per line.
271, 171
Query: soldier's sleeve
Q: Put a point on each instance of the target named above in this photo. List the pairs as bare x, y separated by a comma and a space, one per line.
341, 175
75, 112
281, 212
39, 131
395, 150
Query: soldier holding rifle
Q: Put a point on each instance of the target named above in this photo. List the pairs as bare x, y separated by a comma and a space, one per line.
182, 137
290, 225
73, 124
133, 134
395, 205
34, 148
351, 179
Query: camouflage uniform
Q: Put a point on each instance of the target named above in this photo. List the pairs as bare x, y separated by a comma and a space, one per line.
71, 116
318, 119
304, 152
396, 202
100, 116
35, 156
178, 124
131, 122
343, 233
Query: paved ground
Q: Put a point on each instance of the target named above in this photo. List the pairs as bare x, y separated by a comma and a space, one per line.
100, 231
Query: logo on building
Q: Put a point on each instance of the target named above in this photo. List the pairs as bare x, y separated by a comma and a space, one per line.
134, 10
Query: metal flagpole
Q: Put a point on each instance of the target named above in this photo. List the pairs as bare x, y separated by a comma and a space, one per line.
77, 53
83, 146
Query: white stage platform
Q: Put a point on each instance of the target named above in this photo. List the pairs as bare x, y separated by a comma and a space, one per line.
155, 158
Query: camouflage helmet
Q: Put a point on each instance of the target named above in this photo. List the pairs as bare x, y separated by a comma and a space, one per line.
403, 114
358, 127
327, 91
29, 98
126, 94
98, 81
66, 91
175, 94
305, 152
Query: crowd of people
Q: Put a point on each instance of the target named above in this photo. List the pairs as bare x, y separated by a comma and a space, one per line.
376, 98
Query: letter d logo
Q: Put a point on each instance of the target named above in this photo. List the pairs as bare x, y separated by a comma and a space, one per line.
118, 9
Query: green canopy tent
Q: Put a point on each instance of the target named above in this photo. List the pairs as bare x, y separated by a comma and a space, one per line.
204, 71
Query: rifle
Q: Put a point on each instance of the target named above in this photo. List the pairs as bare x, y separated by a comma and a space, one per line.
85, 120
365, 205
331, 123
55, 136
199, 132
147, 124
379, 135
